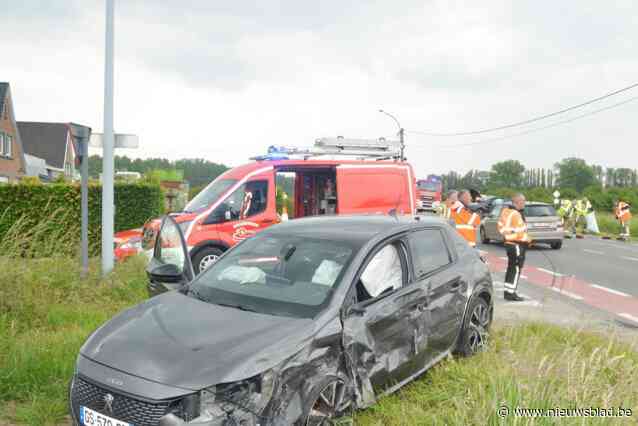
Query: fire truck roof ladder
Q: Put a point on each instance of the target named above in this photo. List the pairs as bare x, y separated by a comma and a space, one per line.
378, 149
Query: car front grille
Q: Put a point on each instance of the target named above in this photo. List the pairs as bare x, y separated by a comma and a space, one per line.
127, 409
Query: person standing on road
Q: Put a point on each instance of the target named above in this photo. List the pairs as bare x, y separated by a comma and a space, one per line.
465, 220
512, 226
451, 201
624, 217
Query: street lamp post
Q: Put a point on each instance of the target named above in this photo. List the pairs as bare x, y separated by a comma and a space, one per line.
401, 131
107, 157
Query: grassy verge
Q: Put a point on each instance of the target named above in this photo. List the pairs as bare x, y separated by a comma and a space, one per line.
46, 313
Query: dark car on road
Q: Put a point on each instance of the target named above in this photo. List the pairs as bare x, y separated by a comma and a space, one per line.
299, 324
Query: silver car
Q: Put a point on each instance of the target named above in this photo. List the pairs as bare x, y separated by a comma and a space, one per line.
543, 223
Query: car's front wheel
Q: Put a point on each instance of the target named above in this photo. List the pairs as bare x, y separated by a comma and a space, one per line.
556, 245
330, 400
475, 333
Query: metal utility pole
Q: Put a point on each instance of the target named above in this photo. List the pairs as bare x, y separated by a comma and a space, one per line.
401, 132
107, 156
82, 135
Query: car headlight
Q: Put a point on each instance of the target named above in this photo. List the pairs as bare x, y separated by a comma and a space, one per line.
252, 395
133, 243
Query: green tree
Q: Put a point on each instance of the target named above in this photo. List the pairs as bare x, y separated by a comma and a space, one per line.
507, 174
575, 173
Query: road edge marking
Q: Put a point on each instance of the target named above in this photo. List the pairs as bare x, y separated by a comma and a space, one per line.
610, 290
629, 317
567, 293
550, 272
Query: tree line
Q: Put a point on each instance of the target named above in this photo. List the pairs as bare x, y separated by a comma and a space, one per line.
573, 177
197, 171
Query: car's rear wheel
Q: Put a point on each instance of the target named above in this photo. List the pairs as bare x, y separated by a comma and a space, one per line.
475, 334
484, 238
205, 258
327, 402
556, 245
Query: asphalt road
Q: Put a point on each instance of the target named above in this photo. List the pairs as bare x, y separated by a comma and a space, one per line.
592, 273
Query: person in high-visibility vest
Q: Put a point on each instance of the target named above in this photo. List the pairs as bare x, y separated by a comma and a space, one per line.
465, 220
580, 213
565, 211
512, 226
623, 214
451, 201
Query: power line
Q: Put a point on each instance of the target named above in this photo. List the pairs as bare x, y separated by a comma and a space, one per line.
531, 120
538, 129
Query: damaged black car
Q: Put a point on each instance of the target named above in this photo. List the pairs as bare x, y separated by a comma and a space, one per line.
298, 325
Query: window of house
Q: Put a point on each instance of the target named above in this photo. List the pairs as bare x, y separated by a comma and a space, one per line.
429, 251
1, 143
8, 141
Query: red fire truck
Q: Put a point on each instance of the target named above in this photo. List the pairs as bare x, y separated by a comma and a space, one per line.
242, 201
429, 192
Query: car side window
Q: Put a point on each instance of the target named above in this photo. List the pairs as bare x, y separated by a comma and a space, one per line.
383, 274
429, 251
496, 211
258, 198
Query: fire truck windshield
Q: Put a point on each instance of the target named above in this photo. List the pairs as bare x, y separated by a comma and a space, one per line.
428, 186
209, 195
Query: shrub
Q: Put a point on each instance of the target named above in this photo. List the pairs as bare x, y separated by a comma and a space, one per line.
44, 210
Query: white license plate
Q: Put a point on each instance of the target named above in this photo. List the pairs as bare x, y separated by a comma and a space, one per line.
90, 417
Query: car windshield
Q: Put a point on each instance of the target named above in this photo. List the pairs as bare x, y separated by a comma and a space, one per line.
209, 195
282, 275
539, 211
428, 186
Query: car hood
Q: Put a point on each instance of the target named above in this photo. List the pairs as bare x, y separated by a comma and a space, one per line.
542, 219
180, 341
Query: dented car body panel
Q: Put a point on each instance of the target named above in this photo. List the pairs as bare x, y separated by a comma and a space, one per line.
210, 364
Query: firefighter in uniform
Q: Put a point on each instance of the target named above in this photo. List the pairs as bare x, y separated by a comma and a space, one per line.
465, 220
624, 217
512, 226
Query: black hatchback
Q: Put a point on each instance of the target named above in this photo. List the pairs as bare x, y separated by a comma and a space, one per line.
299, 324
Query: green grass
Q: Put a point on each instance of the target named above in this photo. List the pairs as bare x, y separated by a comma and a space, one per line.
46, 313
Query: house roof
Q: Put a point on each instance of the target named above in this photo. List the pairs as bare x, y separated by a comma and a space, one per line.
4, 89
45, 140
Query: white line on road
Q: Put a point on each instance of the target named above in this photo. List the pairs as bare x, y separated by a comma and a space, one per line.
635, 259
619, 293
550, 272
523, 277
629, 317
504, 258
567, 293
593, 251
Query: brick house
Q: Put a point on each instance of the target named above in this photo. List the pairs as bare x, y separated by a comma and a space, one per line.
12, 163
53, 143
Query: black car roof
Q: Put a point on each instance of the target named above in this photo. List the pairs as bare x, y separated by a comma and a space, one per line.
355, 230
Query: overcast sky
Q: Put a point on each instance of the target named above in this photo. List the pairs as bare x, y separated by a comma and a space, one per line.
223, 80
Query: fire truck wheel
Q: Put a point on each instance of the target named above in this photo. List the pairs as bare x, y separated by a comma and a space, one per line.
204, 258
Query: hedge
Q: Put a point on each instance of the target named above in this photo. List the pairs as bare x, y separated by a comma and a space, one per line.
55, 208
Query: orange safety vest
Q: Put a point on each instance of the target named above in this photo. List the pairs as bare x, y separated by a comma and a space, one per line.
449, 207
622, 212
466, 223
512, 226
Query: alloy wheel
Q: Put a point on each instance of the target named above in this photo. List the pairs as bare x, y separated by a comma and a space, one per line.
332, 401
207, 261
478, 326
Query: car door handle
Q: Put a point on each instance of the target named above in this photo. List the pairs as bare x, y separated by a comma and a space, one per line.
267, 221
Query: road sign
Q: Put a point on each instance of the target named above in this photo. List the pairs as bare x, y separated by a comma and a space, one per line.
556, 194
122, 140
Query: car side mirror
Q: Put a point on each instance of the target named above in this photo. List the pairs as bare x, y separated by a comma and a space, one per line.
356, 310
167, 273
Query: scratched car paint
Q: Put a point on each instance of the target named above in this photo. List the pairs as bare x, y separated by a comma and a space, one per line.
297, 325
